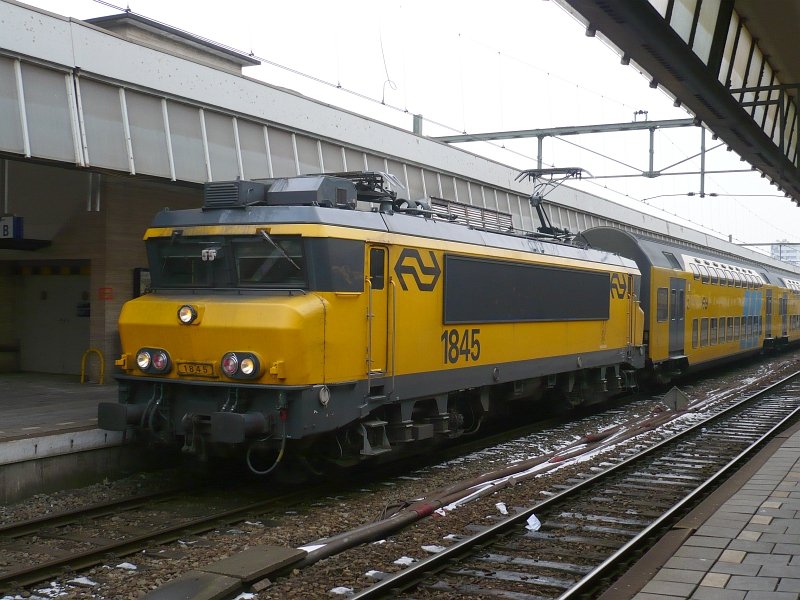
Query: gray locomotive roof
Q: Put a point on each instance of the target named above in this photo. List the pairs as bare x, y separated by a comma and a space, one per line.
254, 215
649, 251
391, 223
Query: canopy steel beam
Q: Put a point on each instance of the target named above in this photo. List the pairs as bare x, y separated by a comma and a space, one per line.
646, 39
568, 130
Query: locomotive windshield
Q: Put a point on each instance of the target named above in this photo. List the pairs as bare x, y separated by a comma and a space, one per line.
263, 261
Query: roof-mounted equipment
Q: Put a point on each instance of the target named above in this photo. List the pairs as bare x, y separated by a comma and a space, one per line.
233, 194
373, 186
309, 190
544, 182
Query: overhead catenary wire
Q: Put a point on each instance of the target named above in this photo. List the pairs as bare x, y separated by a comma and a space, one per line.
405, 110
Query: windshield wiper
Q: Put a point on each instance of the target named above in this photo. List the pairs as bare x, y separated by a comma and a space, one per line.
280, 250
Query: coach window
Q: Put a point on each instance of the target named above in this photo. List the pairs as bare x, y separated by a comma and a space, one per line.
737, 281
376, 268
722, 330
694, 333
730, 329
704, 276
714, 275
672, 260
713, 332
662, 310
736, 328
703, 332
728, 278
695, 270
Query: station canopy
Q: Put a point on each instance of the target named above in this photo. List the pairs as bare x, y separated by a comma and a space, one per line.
732, 63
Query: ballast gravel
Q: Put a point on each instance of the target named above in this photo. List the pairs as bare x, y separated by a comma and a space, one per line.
133, 576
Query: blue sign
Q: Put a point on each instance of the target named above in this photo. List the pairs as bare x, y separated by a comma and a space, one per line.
11, 228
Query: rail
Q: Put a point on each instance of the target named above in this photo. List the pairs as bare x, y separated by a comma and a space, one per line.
33, 571
462, 551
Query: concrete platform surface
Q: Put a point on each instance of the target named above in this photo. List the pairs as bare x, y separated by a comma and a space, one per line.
749, 548
36, 404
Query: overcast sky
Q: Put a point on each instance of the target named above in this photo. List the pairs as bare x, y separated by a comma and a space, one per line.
516, 64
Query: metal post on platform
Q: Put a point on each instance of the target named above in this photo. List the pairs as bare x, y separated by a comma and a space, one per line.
702, 162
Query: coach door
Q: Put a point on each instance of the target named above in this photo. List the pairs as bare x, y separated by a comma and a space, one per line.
768, 328
677, 314
784, 308
377, 321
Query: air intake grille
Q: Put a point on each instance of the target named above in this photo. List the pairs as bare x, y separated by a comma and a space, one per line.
220, 195
232, 194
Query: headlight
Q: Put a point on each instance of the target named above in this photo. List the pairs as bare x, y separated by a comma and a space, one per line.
187, 314
143, 359
241, 365
248, 366
230, 364
153, 360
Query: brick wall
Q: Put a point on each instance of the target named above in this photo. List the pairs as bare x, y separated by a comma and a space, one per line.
55, 203
129, 207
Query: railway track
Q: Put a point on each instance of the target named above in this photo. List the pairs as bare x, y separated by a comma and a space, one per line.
590, 529
35, 550
38, 549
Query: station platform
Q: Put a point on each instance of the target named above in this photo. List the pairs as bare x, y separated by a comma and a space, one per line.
48, 434
35, 404
740, 543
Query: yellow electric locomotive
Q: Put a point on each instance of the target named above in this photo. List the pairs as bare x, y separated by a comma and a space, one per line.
282, 316
703, 308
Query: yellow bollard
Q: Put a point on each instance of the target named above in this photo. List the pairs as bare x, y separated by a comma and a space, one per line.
83, 364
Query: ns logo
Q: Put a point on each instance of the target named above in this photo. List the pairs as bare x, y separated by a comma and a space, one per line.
619, 285
411, 265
